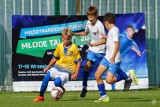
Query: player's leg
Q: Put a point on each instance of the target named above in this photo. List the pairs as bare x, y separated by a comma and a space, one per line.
132, 75
60, 81
127, 79
85, 78
112, 75
90, 59
115, 74
119, 75
43, 88
101, 87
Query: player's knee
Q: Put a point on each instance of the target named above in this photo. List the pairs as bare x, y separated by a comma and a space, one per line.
109, 81
97, 76
86, 68
57, 81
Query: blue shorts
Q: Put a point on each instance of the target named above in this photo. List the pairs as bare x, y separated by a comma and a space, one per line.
113, 68
92, 56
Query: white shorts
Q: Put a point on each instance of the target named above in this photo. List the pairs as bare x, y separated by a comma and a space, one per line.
54, 73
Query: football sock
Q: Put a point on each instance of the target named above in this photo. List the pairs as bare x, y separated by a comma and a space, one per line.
101, 89
44, 85
57, 82
128, 74
41, 93
85, 78
121, 75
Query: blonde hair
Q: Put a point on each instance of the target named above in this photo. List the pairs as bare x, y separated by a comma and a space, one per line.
67, 32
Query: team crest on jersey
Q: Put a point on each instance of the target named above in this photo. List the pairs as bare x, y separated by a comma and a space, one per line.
70, 53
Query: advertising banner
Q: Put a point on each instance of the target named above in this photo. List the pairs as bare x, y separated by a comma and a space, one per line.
34, 39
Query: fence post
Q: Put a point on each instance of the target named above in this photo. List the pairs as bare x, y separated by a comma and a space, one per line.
57, 7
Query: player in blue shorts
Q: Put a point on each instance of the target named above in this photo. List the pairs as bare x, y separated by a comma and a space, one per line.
127, 44
95, 28
111, 61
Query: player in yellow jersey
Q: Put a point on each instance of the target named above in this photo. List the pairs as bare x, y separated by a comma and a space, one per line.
66, 64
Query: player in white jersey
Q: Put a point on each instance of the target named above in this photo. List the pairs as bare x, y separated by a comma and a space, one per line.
111, 61
95, 28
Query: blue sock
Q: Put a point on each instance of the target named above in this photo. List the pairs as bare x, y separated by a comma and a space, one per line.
113, 86
121, 75
101, 89
44, 85
58, 82
85, 78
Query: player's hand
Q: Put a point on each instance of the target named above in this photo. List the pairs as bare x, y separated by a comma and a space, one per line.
74, 76
133, 48
89, 44
139, 53
45, 69
112, 61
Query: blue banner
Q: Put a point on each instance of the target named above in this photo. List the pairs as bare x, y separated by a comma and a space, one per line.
33, 42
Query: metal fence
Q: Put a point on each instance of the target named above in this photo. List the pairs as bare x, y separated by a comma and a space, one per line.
8, 8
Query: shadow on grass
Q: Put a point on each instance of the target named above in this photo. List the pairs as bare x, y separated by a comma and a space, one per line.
136, 99
78, 99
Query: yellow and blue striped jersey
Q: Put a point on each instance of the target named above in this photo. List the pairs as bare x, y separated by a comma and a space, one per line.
67, 57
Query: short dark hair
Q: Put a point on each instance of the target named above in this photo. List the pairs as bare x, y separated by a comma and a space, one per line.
130, 26
110, 17
92, 10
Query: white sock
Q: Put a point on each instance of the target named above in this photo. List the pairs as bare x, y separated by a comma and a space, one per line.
104, 96
128, 74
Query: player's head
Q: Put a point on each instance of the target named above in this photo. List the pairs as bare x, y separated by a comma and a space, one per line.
109, 19
92, 14
66, 36
130, 31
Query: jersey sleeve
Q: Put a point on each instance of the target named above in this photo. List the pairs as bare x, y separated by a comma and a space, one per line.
77, 55
87, 29
101, 30
115, 34
135, 45
56, 53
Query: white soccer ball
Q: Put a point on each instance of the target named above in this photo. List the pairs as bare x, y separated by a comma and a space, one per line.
57, 93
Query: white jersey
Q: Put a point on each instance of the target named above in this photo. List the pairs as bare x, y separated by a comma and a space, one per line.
113, 35
95, 32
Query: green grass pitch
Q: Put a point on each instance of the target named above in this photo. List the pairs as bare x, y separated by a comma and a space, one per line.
134, 98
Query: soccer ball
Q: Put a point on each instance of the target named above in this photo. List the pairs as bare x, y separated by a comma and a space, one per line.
57, 93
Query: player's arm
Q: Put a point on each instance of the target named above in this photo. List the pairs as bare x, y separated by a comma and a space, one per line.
135, 48
53, 60
74, 76
84, 33
77, 61
101, 42
102, 35
80, 33
117, 45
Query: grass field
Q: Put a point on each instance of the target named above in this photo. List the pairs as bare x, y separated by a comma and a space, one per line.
147, 98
